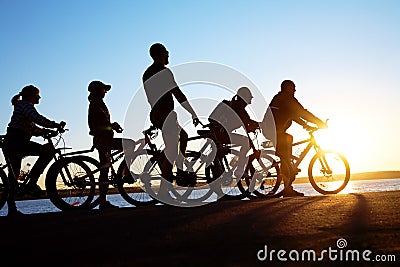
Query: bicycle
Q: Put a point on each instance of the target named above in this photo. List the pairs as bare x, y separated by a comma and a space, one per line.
192, 189
70, 167
120, 179
261, 176
4, 183
328, 171
210, 169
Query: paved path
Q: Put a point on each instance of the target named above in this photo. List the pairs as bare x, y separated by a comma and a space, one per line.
226, 233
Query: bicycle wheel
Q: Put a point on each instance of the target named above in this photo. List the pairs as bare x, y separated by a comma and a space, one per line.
265, 176
197, 190
4, 187
70, 184
329, 172
94, 166
154, 185
222, 170
194, 193
192, 188
130, 186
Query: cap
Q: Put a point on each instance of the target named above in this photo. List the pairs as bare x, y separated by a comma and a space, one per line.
96, 85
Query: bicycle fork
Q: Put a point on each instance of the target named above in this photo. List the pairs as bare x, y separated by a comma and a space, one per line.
324, 164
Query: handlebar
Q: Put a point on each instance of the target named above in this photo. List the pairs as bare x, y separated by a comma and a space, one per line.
150, 132
47, 133
311, 129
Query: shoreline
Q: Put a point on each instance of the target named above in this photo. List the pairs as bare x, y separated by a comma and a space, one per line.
382, 175
224, 233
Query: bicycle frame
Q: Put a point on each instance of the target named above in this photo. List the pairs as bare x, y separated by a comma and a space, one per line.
196, 155
8, 163
311, 143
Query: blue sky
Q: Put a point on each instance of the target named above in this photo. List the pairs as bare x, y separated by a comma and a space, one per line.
344, 57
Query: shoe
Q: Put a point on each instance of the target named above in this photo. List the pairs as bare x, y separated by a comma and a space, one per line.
34, 190
290, 192
107, 205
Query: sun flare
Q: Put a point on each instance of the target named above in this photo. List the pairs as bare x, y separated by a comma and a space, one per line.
347, 138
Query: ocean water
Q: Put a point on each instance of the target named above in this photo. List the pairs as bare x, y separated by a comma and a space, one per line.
358, 186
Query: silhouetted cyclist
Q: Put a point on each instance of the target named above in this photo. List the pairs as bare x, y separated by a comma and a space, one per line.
102, 130
230, 115
285, 109
160, 88
23, 125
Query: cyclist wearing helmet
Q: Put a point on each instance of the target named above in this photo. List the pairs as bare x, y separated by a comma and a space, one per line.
285, 109
230, 115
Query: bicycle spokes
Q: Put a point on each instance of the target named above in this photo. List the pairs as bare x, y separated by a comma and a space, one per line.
329, 172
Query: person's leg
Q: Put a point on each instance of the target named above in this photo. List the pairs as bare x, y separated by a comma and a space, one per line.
244, 147
15, 163
284, 150
104, 159
14, 156
104, 148
288, 155
45, 153
127, 145
171, 135
183, 140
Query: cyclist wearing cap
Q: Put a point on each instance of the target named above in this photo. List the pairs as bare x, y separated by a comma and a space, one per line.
102, 130
230, 115
285, 109
160, 88
23, 125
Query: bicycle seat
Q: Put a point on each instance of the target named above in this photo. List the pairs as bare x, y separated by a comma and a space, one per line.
204, 132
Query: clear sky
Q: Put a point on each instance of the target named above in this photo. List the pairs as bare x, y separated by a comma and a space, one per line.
343, 55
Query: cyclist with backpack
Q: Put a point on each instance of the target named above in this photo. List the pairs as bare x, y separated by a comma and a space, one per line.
230, 115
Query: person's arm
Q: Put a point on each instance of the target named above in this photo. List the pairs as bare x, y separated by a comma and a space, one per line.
185, 103
37, 131
303, 116
250, 124
30, 112
98, 119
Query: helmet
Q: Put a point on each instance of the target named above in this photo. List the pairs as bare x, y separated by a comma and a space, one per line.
245, 94
287, 85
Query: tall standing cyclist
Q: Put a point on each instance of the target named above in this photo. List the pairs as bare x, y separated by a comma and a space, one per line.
160, 88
